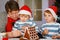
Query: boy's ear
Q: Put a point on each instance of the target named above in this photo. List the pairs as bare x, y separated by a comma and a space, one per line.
9, 13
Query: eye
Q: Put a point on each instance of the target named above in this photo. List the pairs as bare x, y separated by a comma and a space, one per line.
25, 16
21, 16
49, 15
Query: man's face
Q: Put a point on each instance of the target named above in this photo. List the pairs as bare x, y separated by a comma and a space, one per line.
13, 14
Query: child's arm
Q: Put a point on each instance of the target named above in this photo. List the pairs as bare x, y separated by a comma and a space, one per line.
55, 37
58, 35
43, 30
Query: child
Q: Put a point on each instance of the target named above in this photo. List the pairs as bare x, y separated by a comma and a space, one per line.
25, 15
51, 29
12, 9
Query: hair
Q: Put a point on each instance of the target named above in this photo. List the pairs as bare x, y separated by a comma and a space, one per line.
11, 6
47, 11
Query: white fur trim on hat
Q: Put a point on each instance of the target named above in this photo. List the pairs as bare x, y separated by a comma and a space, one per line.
52, 12
25, 12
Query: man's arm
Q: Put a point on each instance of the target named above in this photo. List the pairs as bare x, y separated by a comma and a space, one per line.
9, 24
15, 33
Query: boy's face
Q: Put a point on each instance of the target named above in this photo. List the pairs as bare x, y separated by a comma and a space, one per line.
48, 17
13, 14
24, 17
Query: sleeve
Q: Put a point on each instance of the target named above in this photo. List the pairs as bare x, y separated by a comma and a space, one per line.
35, 25
41, 29
9, 24
16, 25
59, 30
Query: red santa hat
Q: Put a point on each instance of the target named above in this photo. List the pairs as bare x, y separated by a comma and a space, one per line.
25, 10
53, 10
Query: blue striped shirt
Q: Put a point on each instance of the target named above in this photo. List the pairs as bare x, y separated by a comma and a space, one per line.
53, 28
18, 24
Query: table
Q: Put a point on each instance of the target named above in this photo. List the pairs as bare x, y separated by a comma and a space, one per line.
39, 39
18, 39
13, 38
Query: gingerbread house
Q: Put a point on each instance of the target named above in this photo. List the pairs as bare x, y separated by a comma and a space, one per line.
31, 34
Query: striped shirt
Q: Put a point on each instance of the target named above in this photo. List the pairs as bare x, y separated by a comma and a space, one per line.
18, 25
53, 28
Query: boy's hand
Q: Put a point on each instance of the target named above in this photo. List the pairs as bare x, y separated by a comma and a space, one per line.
23, 28
45, 32
54, 37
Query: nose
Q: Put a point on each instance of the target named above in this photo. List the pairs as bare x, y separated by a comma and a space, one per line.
46, 18
14, 15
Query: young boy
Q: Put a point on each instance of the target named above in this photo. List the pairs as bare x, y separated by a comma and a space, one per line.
25, 14
51, 29
12, 9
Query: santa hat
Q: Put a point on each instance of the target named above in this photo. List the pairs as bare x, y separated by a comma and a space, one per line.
53, 10
25, 10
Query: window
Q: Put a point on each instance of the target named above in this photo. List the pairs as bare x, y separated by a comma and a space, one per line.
36, 7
